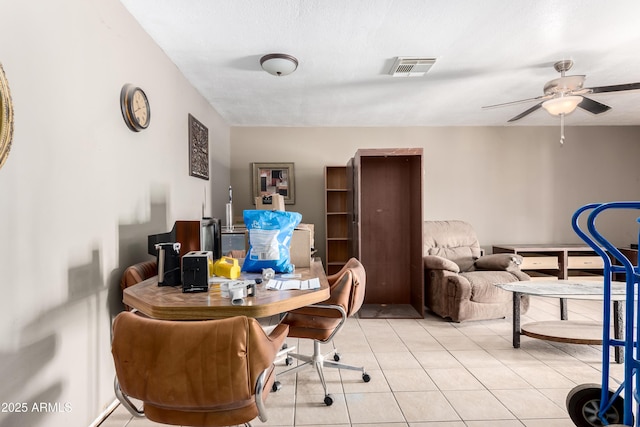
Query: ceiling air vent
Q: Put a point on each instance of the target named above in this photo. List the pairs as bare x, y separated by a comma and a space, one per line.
411, 66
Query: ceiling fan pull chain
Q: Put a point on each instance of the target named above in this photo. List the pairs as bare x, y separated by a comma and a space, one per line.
561, 129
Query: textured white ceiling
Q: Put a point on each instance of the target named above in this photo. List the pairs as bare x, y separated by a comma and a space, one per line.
488, 52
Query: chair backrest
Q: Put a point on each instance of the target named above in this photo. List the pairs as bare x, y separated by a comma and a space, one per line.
348, 287
454, 240
138, 273
192, 373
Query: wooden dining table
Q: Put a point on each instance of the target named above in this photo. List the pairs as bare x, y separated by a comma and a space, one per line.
170, 303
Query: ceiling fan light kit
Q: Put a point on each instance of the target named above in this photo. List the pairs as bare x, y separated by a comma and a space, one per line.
566, 93
279, 64
563, 105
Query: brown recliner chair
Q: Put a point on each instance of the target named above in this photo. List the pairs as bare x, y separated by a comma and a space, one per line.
200, 373
459, 281
321, 322
138, 273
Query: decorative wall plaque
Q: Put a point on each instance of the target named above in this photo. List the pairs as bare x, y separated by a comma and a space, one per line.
198, 149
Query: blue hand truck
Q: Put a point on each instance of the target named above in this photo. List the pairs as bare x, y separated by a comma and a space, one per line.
596, 404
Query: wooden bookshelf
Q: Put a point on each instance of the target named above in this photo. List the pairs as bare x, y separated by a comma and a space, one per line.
336, 218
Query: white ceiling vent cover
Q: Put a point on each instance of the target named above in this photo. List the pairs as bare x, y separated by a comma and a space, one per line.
411, 66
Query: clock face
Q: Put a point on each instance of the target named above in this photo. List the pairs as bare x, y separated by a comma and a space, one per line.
140, 108
135, 107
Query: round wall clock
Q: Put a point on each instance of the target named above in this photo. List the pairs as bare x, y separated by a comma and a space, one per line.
6, 118
135, 107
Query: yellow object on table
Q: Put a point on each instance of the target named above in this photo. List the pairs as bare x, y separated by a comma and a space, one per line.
227, 267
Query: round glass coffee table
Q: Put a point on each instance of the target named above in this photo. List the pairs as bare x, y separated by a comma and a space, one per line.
564, 330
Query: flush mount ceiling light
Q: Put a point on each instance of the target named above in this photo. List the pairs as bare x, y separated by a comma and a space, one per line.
279, 64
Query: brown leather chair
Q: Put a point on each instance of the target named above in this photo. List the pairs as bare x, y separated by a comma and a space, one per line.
137, 273
321, 322
199, 373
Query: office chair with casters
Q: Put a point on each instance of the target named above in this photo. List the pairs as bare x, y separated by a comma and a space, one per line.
197, 373
321, 322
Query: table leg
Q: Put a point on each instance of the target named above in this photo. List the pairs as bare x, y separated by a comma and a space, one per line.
618, 326
516, 319
563, 309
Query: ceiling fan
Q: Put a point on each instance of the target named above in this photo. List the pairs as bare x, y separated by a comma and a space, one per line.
564, 94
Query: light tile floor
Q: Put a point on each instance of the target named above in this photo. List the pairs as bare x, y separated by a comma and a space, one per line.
430, 372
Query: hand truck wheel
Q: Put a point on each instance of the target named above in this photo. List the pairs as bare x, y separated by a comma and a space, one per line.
583, 405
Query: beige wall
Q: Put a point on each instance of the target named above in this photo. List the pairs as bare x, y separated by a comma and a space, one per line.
80, 192
514, 184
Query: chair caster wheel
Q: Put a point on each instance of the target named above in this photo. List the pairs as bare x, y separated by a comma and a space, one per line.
288, 361
276, 386
366, 378
328, 400
336, 357
284, 345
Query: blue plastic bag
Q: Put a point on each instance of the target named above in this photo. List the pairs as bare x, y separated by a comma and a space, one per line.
269, 240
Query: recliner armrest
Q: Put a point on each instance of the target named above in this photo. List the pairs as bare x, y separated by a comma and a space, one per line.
499, 262
434, 262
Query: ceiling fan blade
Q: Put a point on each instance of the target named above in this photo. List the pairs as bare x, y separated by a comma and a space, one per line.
592, 106
615, 88
525, 113
517, 102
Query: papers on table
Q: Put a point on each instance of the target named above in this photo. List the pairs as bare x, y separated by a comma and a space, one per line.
283, 285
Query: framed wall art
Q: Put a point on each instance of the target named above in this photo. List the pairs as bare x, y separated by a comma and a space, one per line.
270, 178
198, 149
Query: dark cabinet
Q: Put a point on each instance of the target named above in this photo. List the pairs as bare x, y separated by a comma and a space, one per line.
385, 207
